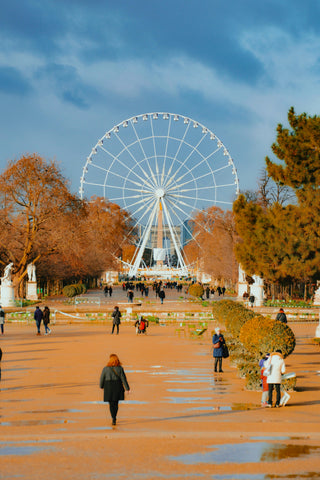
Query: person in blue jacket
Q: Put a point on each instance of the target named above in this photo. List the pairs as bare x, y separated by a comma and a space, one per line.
218, 342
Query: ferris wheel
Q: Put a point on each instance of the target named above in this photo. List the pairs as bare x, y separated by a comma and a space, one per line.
162, 168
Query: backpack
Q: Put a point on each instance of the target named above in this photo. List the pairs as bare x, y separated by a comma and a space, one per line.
142, 325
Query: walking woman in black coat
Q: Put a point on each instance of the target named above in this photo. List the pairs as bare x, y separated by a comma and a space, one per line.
114, 381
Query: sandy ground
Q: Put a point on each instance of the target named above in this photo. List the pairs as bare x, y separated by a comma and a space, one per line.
179, 421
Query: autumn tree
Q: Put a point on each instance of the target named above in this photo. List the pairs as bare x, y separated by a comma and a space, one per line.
280, 240
34, 196
213, 245
43, 223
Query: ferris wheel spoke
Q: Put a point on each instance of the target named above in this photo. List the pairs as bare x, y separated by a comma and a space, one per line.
178, 150
165, 153
143, 201
171, 206
146, 206
195, 149
193, 218
175, 187
198, 165
155, 151
131, 171
173, 236
125, 148
145, 156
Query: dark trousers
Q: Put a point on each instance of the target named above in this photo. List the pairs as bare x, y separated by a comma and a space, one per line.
38, 323
113, 406
115, 325
277, 387
2, 328
218, 363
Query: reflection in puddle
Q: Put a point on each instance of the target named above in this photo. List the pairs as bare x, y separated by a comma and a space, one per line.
62, 410
185, 390
99, 428
31, 423
127, 402
247, 453
187, 399
19, 450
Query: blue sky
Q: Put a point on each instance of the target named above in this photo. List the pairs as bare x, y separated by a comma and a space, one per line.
72, 69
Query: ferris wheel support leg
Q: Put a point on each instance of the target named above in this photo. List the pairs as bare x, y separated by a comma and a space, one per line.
177, 249
134, 268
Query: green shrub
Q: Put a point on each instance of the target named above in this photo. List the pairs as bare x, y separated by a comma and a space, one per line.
196, 290
69, 291
73, 290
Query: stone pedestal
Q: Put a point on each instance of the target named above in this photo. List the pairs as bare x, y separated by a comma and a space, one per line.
242, 284
316, 298
257, 290
32, 291
7, 296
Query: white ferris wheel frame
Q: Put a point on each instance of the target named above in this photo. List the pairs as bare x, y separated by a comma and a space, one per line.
158, 190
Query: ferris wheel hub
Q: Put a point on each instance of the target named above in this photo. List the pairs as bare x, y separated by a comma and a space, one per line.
160, 192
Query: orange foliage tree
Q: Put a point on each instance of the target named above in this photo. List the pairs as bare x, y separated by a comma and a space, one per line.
44, 223
213, 244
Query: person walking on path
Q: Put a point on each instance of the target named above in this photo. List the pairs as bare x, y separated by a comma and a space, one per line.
2, 317
218, 341
46, 320
274, 368
38, 316
281, 316
116, 314
113, 380
130, 295
162, 295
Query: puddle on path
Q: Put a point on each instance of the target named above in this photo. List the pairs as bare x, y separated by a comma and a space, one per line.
100, 428
247, 453
187, 399
32, 423
186, 390
127, 402
65, 410
23, 450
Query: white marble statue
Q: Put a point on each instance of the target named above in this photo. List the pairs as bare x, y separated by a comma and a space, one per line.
6, 279
31, 269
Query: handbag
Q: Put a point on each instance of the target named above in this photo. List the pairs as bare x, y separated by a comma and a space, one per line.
225, 351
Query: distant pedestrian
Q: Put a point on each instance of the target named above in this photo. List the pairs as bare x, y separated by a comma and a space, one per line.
106, 290
223, 290
251, 300
110, 291
46, 320
281, 316
274, 367
218, 342
114, 382
38, 316
130, 295
207, 292
162, 295
2, 319
116, 315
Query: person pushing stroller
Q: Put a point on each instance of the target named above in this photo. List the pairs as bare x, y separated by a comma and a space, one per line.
141, 325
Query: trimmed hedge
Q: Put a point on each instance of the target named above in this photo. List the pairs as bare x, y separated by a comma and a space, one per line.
196, 290
73, 290
249, 337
